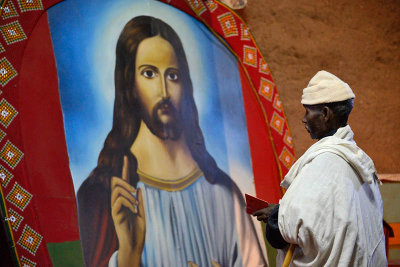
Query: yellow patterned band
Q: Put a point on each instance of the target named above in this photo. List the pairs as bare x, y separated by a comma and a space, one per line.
170, 185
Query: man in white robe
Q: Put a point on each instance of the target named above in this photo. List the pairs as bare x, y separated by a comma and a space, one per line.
332, 209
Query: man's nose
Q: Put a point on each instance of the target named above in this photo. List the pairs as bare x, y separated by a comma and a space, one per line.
164, 88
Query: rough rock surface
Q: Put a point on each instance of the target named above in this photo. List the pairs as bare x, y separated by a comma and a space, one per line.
359, 41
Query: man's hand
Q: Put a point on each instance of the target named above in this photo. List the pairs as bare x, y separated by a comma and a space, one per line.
129, 218
263, 214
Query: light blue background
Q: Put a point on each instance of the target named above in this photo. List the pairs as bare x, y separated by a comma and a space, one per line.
84, 35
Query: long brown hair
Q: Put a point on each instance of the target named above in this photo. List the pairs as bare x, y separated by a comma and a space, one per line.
126, 118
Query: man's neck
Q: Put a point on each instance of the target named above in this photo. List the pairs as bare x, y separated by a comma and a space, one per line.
330, 133
166, 159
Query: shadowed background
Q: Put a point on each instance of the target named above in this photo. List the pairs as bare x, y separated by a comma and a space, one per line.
359, 41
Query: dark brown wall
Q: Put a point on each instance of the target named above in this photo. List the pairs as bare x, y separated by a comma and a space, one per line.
359, 41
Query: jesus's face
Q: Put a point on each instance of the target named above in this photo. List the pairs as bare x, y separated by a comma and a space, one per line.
158, 87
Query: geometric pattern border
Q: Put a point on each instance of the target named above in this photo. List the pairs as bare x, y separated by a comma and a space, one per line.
212, 6
277, 122
197, 6
5, 176
30, 5
2, 134
288, 139
286, 158
19, 196
228, 24
7, 71
30, 240
266, 89
37, 5
7, 113
250, 56
27, 263
11, 155
277, 103
245, 33
9, 11
14, 218
263, 68
12, 32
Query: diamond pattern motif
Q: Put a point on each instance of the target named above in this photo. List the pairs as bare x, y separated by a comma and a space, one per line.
2, 134
27, 263
277, 103
264, 67
9, 11
30, 5
13, 32
11, 154
7, 72
228, 24
197, 6
5, 176
245, 33
7, 113
277, 122
286, 158
288, 139
266, 89
30, 240
15, 219
19, 196
212, 6
250, 56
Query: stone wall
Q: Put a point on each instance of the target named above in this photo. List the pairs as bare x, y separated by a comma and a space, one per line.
359, 41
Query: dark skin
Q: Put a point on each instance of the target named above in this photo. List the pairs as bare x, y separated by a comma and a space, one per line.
263, 214
319, 121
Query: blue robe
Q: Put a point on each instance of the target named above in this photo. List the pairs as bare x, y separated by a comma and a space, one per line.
193, 220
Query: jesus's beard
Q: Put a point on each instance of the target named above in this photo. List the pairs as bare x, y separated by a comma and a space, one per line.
166, 131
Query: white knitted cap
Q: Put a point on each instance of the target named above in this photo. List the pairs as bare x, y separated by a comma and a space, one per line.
325, 87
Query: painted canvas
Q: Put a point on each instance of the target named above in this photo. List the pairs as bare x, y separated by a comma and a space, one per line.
152, 119
156, 138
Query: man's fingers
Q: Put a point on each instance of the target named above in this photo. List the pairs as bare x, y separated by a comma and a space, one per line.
214, 263
192, 264
140, 200
125, 169
257, 213
262, 218
260, 212
265, 211
122, 202
119, 191
116, 181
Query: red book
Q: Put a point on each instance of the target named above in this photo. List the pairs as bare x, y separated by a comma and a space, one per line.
253, 204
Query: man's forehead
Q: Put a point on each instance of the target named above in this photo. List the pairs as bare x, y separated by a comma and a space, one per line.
156, 51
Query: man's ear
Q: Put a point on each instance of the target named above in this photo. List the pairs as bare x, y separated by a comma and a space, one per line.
327, 113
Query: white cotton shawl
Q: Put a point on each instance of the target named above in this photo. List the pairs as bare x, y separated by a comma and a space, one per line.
332, 209
343, 145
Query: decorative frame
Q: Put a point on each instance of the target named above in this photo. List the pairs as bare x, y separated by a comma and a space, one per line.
18, 20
